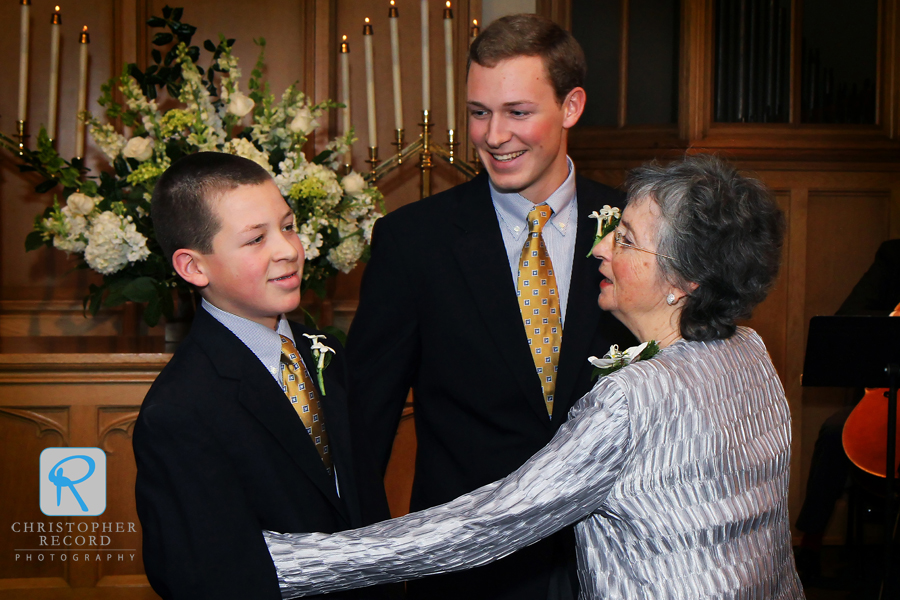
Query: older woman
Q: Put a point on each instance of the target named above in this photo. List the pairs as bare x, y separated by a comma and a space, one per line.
675, 468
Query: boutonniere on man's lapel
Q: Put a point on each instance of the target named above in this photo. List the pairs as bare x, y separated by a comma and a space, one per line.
607, 219
615, 359
322, 354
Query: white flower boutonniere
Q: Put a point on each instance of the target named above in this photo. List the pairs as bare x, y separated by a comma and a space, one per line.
607, 219
322, 354
616, 359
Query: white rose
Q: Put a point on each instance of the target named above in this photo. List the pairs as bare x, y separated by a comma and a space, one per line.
239, 104
80, 204
138, 148
353, 183
303, 121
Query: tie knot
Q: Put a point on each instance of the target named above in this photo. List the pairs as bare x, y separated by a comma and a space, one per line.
538, 217
288, 350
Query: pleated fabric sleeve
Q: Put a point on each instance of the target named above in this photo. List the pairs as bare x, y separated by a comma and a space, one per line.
560, 485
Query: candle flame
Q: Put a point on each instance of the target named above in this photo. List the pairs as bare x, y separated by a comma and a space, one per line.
448, 3
367, 19
345, 38
57, 9
84, 29
475, 22
392, 2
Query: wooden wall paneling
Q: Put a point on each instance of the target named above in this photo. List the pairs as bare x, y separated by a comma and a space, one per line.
846, 228
25, 431
795, 332
114, 426
695, 70
559, 11
77, 400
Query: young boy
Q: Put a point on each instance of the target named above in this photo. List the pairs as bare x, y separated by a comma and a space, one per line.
236, 435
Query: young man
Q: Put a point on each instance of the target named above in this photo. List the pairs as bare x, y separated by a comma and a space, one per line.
494, 349
236, 435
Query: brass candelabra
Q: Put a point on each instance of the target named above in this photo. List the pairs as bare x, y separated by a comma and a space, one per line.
425, 147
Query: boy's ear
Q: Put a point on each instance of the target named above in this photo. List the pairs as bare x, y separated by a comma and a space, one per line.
573, 106
189, 266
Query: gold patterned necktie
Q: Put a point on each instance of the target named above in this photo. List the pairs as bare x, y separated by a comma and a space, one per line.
300, 390
539, 303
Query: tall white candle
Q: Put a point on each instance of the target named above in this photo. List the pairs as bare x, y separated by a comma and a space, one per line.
24, 33
448, 62
426, 68
394, 17
345, 93
55, 22
82, 92
370, 84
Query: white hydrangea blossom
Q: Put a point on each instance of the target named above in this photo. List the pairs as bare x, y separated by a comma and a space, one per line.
69, 231
113, 242
345, 255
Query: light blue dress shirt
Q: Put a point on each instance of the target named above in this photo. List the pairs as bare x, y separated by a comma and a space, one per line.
263, 342
559, 232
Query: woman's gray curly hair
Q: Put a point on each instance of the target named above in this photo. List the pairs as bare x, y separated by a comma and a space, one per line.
725, 233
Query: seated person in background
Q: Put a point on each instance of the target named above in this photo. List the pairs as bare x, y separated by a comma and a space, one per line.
876, 294
675, 469
238, 432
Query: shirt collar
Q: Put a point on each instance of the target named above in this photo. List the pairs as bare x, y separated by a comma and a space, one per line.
513, 208
265, 343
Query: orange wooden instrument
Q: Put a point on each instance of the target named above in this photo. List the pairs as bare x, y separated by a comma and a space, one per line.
865, 433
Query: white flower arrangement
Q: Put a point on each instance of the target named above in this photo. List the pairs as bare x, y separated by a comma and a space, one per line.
105, 221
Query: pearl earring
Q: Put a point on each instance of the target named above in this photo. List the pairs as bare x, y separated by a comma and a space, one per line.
670, 299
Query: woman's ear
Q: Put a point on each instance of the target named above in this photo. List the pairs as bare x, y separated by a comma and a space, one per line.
189, 266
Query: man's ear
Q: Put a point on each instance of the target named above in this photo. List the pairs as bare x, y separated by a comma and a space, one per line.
189, 266
573, 106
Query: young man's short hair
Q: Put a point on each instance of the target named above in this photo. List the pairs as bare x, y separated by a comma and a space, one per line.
181, 207
533, 35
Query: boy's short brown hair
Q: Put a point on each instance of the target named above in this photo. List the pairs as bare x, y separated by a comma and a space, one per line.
181, 207
532, 35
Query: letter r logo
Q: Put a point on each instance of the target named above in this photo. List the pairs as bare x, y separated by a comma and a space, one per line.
73, 482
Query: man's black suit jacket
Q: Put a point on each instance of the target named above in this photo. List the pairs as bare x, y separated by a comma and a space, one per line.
222, 455
438, 313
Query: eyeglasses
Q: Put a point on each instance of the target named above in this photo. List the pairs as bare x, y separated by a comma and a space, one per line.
618, 241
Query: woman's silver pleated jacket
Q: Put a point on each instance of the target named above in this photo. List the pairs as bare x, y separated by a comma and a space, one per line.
675, 470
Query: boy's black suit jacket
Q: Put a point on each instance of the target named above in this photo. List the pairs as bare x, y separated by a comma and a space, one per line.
438, 312
222, 455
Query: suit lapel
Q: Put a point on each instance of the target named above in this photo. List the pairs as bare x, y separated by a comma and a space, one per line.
582, 312
482, 258
261, 395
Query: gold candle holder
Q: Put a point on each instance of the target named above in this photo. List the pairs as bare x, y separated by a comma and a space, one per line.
451, 146
20, 133
373, 160
425, 164
398, 142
